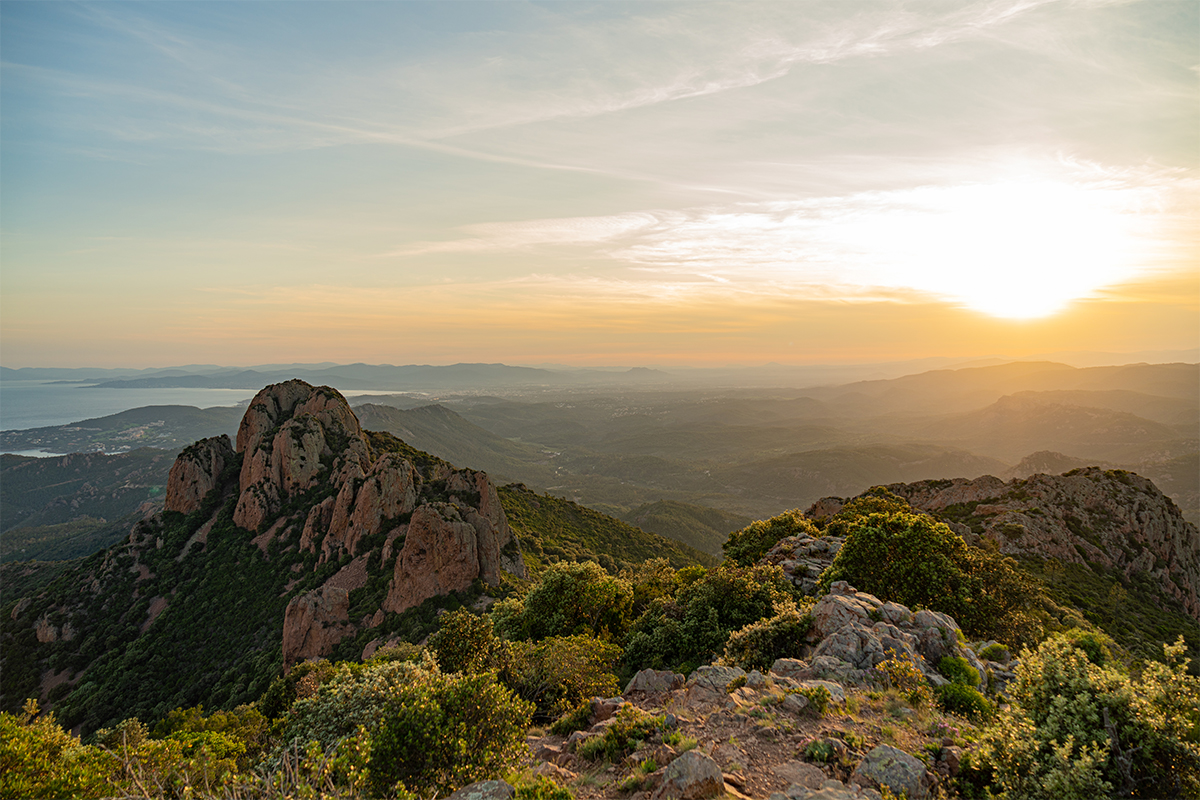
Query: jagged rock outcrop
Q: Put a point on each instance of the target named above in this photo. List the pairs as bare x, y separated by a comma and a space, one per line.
442, 528
291, 434
195, 473
855, 631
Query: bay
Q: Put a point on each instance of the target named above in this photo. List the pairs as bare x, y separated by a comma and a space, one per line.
41, 404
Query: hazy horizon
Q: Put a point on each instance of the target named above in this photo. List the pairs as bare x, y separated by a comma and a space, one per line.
593, 184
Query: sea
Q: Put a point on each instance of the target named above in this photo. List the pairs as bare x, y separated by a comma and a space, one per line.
40, 404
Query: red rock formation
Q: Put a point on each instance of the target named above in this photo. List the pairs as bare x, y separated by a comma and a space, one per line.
194, 473
440, 555
286, 432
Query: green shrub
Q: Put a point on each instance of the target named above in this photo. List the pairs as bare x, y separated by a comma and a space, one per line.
574, 720
632, 726
560, 672
441, 732
995, 652
541, 788
692, 628
466, 642
959, 698
747, 546
39, 759
680, 741
757, 645
243, 724
957, 670
818, 698
903, 675
913, 560
1085, 730
819, 750
355, 696
569, 599
1095, 645
302, 681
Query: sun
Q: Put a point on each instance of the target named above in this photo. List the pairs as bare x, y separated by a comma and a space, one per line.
1016, 250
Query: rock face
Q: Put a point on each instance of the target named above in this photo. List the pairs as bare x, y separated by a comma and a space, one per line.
310, 480
195, 473
1109, 517
314, 622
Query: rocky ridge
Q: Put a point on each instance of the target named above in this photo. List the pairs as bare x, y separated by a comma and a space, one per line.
1113, 518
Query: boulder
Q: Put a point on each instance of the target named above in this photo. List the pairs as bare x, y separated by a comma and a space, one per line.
654, 681
895, 769
799, 773
485, 790
691, 776
828, 790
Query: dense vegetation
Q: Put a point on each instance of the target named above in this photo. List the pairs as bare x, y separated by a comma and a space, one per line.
603, 600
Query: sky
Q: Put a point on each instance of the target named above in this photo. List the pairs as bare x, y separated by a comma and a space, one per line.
633, 183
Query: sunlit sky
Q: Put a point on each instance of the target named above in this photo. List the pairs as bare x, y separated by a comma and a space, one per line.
596, 183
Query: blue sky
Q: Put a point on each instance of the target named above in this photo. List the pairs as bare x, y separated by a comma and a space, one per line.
654, 182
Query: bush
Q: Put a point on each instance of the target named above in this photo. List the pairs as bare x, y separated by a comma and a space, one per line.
1082, 729
574, 720
441, 732
631, 728
995, 652
959, 698
39, 759
957, 670
692, 628
569, 599
302, 681
466, 642
903, 675
541, 788
818, 698
747, 546
757, 645
913, 560
560, 672
355, 696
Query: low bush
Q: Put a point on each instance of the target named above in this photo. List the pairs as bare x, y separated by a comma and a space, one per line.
560, 672
995, 652
574, 720
441, 732
966, 701
759, 644
1075, 729
631, 728
40, 759
957, 670
569, 599
692, 628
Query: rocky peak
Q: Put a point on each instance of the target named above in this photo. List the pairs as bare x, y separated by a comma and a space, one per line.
291, 435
